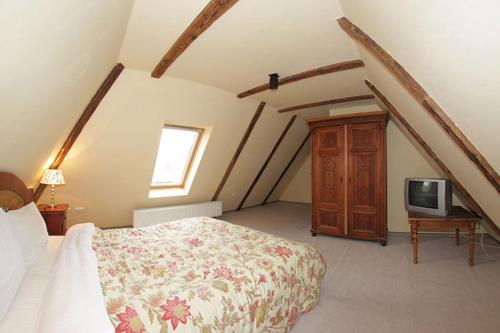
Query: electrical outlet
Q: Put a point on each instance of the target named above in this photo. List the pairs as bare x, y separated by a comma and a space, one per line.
79, 209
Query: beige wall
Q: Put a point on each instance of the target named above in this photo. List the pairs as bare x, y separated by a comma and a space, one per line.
109, 169
453, 52
289, 146
404, 159
58, 54
451, 48
252, 39
296, 185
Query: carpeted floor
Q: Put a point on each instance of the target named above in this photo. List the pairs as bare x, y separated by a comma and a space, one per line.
370, 288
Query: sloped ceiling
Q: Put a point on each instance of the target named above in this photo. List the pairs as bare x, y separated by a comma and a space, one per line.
253, 39
59, 54
54, 57
237, 52
452, 50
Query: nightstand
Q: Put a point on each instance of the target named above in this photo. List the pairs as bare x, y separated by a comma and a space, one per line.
55, 218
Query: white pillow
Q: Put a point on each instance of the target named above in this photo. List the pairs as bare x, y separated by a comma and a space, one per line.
12, 267
31, 232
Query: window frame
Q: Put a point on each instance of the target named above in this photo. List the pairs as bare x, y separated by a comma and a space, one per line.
189, 165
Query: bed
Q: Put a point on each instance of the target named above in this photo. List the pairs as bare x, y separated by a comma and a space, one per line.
24, 309
190, 275
23, 312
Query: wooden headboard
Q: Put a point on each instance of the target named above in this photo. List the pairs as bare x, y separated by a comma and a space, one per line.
13, 193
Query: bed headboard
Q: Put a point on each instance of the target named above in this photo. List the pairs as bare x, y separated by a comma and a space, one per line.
13, 193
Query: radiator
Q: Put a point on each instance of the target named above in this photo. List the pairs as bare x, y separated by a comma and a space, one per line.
144, 217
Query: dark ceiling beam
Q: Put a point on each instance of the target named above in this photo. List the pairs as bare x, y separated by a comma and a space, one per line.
327, 102
238, 151
82, 121
471, 203
268, 159
338, 67
418, 92
286, 168
211, 13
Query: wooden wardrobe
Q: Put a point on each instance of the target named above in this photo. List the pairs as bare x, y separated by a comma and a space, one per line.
349, 192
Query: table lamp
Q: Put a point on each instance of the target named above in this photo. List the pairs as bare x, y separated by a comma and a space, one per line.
52, 177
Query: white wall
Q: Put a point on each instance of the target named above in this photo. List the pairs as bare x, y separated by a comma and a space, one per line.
54, 57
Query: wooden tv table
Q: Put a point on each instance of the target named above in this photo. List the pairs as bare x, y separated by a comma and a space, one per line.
459, 218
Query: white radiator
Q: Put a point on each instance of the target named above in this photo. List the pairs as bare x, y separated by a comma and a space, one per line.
144, 217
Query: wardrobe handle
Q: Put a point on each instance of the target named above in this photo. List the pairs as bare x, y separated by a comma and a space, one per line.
341, 179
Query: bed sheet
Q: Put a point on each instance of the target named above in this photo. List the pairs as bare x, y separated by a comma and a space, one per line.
23, 312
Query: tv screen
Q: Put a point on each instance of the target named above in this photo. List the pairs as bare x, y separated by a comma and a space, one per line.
423, 194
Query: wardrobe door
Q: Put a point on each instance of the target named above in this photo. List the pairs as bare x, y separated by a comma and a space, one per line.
365, 180
328, 174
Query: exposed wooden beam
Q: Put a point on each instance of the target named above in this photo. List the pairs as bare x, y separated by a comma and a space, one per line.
264, 166
418, 92
327, 102
82, 121
473, 205
211, 13
341, 66
286, 169
238, 151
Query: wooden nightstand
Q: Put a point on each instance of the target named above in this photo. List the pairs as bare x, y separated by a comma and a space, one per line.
55, 218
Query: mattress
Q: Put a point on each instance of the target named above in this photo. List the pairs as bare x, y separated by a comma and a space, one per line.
23, 312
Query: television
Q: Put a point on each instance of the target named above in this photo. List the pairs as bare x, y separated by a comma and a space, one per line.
428, 195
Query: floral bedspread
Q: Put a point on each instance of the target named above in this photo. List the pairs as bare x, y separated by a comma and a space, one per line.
205, 275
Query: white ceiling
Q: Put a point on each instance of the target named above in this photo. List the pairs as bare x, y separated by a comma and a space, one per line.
254, 38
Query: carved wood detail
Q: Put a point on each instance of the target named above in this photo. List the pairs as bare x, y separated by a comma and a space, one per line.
328, 171
361, 117
327, 178
364, 169
330, 219
364, 224
356, 209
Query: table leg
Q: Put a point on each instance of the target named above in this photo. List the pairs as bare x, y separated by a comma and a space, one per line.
414, 241
457, 236
472, 242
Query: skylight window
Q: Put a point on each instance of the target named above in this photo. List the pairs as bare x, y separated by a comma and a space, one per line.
178, 148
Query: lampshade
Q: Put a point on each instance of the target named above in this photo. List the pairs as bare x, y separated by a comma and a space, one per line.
53, 177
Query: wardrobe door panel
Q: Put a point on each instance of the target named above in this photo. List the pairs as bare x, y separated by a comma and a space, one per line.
364, 171
328, 170
329, 221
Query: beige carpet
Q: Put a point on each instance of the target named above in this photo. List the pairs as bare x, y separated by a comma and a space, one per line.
370, 288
